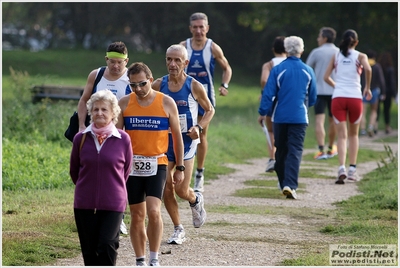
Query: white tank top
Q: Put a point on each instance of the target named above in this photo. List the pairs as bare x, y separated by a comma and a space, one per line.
119, 87
347, 75
278, 60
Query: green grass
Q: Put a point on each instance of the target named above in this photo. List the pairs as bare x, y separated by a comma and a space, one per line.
313, 173
271, 210
263, 189
34, 167
38, 227
369, 218
37, 216
388, 140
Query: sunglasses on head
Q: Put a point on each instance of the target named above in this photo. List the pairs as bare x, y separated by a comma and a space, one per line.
140, 84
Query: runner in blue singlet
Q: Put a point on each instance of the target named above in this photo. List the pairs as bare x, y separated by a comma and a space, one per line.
202, 54
189, 95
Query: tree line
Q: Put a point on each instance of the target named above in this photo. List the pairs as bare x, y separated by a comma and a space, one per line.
244, 30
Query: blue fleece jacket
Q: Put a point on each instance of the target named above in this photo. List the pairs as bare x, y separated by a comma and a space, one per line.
289, 92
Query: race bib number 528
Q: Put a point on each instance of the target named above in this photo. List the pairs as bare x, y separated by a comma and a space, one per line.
144, 166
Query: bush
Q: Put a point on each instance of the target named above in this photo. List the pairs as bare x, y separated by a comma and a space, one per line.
35, 151
31, 166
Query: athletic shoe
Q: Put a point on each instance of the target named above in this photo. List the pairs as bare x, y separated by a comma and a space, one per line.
140, 262
332, 152
198, 212
199, 181
154, 262
320, 156
122, 228
290, 193
352, 175
178, 237
271, 166
371, 131
363, 132
341, 176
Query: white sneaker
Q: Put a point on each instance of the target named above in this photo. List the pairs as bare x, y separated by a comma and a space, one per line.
341, 176
154, 262
271, 166
290, 193
178, 237
122, 228
352, 175
199, 181
141, 262
198, 212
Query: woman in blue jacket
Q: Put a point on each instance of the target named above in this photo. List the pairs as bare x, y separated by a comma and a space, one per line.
100, 163
287, 96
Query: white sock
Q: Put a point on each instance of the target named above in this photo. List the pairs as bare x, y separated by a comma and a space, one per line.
153, 255
180, 226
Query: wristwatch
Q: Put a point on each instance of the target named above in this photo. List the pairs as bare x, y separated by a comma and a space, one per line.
180, 168
225, 85
200, 128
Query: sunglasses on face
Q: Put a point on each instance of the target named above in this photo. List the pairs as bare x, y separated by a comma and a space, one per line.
140, 84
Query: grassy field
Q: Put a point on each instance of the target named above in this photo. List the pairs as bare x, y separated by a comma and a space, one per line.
37, 220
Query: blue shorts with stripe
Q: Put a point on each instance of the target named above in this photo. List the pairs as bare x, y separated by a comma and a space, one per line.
190, 147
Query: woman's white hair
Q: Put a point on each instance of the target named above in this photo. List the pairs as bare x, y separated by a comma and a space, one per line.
106, 96
294, 45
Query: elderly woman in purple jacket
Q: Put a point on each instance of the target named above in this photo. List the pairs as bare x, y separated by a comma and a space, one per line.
100, 164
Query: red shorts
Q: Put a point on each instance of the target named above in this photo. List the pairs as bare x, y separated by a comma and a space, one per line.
343, 107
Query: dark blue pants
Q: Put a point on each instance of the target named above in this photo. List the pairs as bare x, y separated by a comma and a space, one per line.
289, 141
98, 235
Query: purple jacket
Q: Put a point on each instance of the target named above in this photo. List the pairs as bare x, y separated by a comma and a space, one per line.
100, 176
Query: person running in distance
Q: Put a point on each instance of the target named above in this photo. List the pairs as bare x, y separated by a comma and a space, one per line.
347, 98
319, 59
386, 62
202, 54
378, 89
279, 55
189, 95
147, 117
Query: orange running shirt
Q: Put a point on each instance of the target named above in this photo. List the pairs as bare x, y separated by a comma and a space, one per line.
148, 127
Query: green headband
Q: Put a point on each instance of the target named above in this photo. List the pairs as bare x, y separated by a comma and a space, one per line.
113, 54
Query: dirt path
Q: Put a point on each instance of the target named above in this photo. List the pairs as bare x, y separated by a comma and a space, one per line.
254, 240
